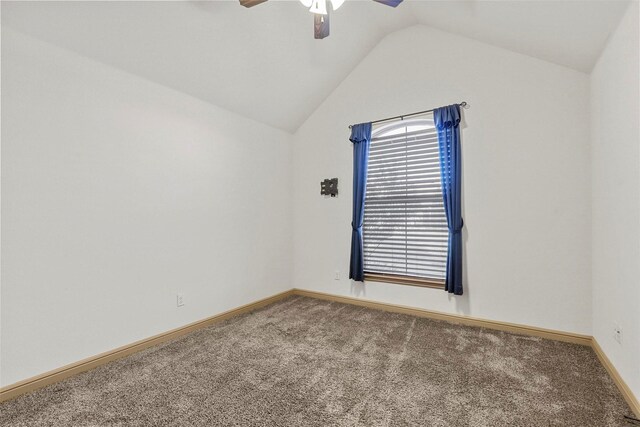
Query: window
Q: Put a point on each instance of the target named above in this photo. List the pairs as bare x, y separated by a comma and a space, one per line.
405, 228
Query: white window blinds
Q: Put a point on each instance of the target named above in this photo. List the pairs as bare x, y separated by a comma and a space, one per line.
405, 228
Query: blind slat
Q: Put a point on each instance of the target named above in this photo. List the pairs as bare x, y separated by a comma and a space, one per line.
403, 135
433, 261
418, 147
390, 244
384, 176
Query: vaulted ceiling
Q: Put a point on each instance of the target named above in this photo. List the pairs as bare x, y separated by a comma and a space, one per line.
264, 63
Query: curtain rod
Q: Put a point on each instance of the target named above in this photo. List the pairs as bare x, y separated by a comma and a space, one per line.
463, 104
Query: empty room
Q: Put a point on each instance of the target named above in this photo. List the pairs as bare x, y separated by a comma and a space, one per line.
320, 213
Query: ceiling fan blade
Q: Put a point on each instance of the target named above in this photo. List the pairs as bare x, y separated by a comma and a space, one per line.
251, 3
392, 3
321, 26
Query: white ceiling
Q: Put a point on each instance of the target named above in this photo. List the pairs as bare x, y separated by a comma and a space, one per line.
265, 64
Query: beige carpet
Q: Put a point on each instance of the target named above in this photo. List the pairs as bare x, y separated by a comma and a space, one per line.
306, 362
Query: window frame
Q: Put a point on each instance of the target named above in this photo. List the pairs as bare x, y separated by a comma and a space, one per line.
394, 278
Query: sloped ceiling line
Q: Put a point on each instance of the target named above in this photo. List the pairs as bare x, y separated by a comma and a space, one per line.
263, 63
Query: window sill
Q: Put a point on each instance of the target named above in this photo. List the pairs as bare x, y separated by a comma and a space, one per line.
404, 280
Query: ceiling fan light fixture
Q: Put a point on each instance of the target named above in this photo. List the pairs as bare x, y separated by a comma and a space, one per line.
336, 4
320, 12
319, 7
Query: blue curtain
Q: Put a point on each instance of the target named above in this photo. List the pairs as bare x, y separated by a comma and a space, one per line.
447, 121
361, 139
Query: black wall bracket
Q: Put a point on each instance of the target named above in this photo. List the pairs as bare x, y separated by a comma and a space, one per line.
329, 187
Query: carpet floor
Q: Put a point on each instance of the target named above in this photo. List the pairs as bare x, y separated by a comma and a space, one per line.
307, 362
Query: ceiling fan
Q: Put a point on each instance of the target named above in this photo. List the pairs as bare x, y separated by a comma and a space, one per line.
320, 12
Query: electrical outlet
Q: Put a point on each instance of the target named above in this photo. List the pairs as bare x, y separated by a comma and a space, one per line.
617, 333
179, 300
337, 275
